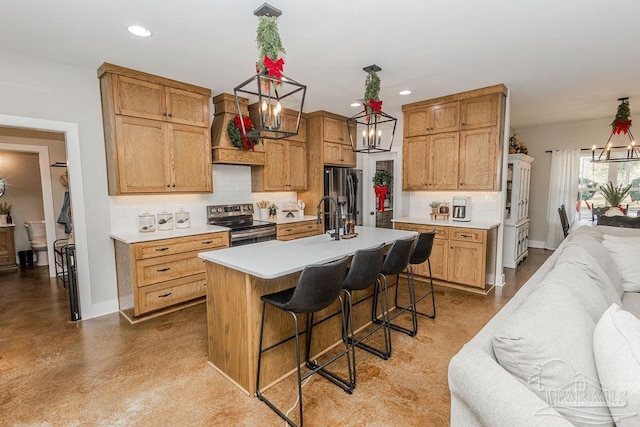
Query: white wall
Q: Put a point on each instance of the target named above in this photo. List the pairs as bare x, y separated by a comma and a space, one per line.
582, 134
42, 89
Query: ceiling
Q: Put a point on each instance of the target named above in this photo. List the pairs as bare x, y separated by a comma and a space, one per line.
563, 60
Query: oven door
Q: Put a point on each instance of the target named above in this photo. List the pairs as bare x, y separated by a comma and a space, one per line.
247, 237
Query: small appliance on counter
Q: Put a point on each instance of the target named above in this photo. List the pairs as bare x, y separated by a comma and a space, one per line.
461, 209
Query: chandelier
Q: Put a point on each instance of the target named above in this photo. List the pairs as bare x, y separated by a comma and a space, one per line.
276, 100
621, 125
371, 130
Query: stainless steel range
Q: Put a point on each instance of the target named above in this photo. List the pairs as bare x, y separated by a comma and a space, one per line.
239, 218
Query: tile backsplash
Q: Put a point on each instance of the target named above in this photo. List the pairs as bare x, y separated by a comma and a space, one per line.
485, 205
231, 184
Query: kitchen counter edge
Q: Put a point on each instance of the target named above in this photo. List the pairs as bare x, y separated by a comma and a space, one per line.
481, 225
137, 237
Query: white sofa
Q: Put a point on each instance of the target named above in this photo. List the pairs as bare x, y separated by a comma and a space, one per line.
521, 368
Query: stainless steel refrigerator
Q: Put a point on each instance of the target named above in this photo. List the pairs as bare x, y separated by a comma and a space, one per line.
345, 185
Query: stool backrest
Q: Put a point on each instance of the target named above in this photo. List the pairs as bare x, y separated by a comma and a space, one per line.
398, 257
365, 268
423, 248
318, 287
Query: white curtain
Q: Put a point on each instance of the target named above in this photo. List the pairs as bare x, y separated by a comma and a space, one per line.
563, 190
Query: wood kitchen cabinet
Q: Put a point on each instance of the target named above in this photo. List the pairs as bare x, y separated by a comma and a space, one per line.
432, 119
459, 255
285, 167
297, 230
7, 249
453, 142
331, 132
156, 133
160, 274
339, 155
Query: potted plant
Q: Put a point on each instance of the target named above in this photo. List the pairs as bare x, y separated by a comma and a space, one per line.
5, 209
273, 211
434, 207
381, 181
614, 195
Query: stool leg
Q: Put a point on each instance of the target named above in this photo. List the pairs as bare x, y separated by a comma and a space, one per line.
411, 332
349, 338
258, 394
433, 298
386, 314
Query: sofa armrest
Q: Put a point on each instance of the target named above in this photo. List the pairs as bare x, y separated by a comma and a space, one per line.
483, 393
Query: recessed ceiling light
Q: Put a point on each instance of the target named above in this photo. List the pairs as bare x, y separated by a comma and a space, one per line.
405, 92
139, 31
356, 104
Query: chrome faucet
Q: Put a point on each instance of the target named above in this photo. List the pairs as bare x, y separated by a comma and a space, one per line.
336, 233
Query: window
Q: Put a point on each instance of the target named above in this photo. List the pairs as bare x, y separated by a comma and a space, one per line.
593, 175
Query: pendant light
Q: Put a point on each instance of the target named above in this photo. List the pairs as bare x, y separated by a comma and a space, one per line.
621, 125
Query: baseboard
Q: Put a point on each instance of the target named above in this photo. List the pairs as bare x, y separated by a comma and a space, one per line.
538, 244
101, 309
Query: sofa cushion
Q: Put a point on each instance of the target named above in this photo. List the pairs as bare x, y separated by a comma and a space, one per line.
586, 230
547, 344
616, 346
584, 288
601, 254
578, 255
631, 303
624, 251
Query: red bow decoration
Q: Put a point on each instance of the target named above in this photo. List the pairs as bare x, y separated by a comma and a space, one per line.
381, 192
375, 105
622, 126
248, 126
274, 67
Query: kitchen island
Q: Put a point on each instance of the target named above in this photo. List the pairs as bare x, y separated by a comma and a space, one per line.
237, 277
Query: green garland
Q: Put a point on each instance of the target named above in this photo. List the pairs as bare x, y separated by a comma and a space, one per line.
371, 89
623, 114
235, 135
268, 40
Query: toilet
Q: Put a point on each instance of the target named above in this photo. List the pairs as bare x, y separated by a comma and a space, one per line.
38, 238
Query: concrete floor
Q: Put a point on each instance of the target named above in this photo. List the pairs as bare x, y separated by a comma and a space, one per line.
107, 372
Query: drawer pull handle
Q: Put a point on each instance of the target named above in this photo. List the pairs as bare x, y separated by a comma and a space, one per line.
207, 242
164, 295
288, 229
163, 269
466, 235
161, 249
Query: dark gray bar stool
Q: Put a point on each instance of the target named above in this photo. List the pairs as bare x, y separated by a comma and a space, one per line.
421, 253
396, 262
317, 288
362, 274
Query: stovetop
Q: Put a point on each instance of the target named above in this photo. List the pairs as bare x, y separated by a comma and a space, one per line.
237, 217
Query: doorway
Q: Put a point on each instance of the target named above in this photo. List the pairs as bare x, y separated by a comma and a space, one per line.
382, 204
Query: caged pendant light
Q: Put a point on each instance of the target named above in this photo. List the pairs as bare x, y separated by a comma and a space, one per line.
371, 130
621, 125
276, 100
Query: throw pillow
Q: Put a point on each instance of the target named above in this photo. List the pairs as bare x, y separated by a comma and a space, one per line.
616, 348
547, 344
575, 254
624, 251
574, 278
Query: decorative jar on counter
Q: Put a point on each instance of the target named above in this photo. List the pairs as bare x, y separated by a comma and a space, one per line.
182, 219
146, 222
165, 221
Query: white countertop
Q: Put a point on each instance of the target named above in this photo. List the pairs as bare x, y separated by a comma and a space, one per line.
136, 236
482, 225
7, 225
296, 218
272, 259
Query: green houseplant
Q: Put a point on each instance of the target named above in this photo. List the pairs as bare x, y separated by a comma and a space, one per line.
434, 207
614, 194
5, 208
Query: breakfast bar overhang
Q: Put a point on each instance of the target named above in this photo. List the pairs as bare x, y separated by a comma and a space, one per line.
236, 279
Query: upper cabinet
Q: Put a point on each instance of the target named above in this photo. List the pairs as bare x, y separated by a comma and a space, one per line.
156, 133
285, 167
453, 142
330, 132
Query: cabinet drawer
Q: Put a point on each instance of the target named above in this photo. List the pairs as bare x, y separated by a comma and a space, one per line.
308, 228
168, 293
201, 242
160, 269
468, 235
441, 232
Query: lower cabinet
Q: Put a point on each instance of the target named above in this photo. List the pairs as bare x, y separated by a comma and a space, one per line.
459, 255
159, 274
297, 230
7, 249
516, 244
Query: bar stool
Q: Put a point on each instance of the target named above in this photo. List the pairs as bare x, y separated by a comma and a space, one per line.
396, 262
421, 253
362, 274
317, 288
